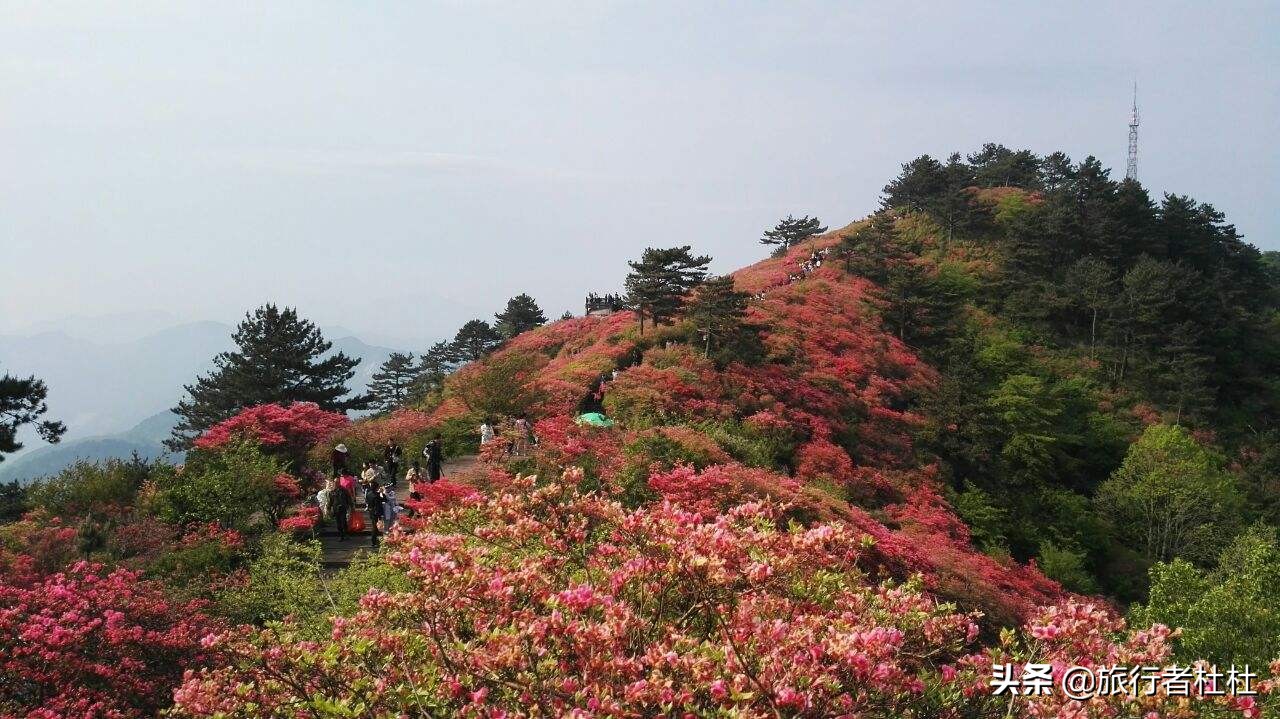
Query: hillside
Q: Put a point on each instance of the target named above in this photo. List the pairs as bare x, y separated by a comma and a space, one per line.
1021, 415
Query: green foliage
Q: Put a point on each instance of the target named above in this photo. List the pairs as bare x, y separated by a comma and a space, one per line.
285, 580
433, 366
232, 486
13, 501
986, 520
1227, 615
1067, 567
1171, 497
22, 402
792, 231
474, 340
280, 358
87, 487
717, 313
503, 386
750, 446
660, 279
390, 385
521, 315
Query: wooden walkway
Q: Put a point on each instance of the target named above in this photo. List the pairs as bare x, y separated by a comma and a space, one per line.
339, 554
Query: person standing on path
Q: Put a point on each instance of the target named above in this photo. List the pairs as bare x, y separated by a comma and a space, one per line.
392, 455
340, 508
390, 509
373, 502
434, 452
487, 434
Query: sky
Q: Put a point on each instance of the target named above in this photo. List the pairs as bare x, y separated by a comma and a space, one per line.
397, 168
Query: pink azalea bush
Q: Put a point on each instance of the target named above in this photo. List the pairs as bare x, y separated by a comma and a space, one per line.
94, 644
291, 429
547, 601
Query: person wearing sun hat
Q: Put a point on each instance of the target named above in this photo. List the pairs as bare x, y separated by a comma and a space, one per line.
339, 458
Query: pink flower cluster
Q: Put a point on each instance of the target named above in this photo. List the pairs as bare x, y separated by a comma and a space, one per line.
545, 600
296, 427
92, 644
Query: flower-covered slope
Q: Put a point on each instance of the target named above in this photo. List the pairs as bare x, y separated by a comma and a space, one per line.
823, 423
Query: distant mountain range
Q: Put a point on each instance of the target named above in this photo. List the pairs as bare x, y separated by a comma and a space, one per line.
146, 439
115, 395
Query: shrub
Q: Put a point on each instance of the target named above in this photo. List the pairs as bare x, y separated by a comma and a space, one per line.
232, 485
653, 612
92, 643
286, 430
87, 487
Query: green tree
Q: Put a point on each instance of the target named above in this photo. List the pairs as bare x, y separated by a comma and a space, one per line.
13, 501
521, 315
22, 402
1171, 497
233, 486
433, 366
919, 185
1028, 414
281, 359
1090, 282
997, 166
1228, 615
791, 231
660, 280
389, 387
719, 316
474, 340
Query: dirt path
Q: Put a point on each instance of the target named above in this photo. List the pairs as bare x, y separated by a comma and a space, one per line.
339, 554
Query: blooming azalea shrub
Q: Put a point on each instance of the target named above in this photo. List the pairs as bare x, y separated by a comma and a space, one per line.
290, 430
94, 644
577, 606
1087, 634
301, 523
437, 497
546, 601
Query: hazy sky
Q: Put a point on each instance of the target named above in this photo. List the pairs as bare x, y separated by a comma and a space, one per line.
397, 168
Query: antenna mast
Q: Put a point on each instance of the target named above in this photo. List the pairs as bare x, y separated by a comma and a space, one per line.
1131, 171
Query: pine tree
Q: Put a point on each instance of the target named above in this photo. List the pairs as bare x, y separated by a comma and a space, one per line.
521, 315
872, 251
433, 366
474, 340
659, 281
22, 402
280, 358
791, 231
917, 187
718, 313
389, 387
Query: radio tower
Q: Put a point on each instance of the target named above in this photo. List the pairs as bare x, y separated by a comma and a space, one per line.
1131, 172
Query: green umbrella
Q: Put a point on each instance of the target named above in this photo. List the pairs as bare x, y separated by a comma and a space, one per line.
594, 419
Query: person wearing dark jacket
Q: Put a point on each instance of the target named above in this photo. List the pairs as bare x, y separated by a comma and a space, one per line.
392, 455
340, 510
373, 503
434, 452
